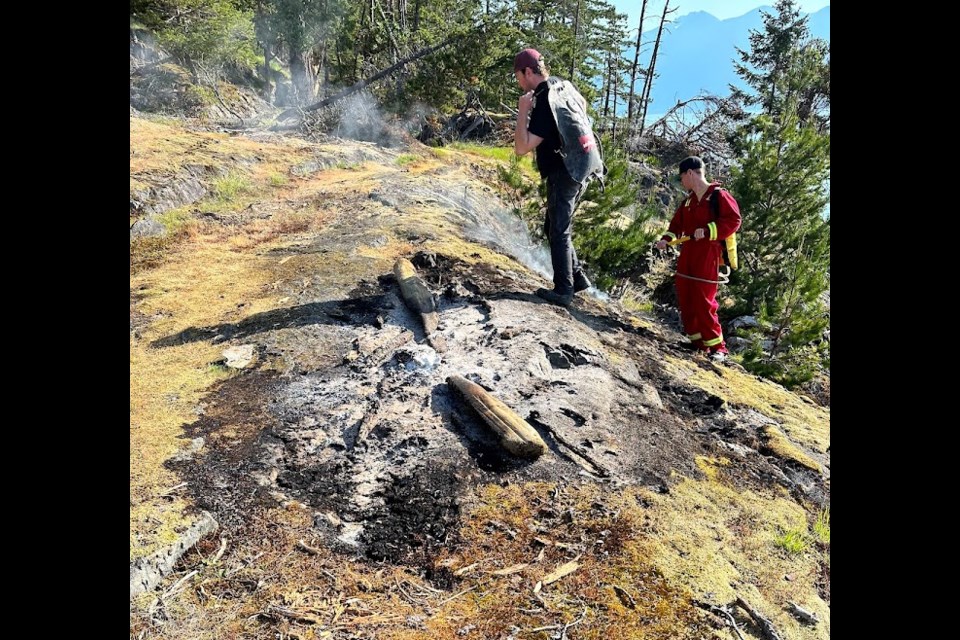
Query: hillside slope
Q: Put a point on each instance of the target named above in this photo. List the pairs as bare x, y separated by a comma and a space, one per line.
355, 494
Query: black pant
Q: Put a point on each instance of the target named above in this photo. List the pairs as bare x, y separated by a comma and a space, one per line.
562, 194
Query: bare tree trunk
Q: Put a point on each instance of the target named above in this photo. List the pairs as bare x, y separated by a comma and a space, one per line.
356, 46
606, 102
340, 65
648, 81
262, 31
576, 35
267, 71
319, 59
386, 25
416, 15
633, 70
326, 71
616, 85
300, 74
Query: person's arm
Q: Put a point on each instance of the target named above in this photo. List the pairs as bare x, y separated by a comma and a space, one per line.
523, 141
672, 231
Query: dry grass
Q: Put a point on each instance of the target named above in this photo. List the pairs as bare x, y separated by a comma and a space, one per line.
199, 285
603, 533
643, 557
615, 592
159, 147
266, 585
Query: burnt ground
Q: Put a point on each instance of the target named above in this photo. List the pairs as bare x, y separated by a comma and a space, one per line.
348, 412
371, 438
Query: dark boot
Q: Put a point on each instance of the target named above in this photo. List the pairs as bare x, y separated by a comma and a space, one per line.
580, 282
563, 300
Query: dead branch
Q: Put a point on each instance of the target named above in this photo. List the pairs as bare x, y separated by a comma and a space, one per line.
625, 597
804, 615
454, 597
561, 571
406, 593
512, 569
422, 587
276, 612
699, 125
563, 632
168, 493
177, 584
466, 569
549, 627
223, 547
373, 619
598, 468
769, 632
243, 565
721, 611
304, 546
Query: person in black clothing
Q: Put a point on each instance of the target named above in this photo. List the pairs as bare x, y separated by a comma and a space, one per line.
562, 191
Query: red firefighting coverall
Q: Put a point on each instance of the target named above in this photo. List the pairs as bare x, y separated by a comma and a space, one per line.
701, 259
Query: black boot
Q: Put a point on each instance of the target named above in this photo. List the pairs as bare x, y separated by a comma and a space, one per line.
580, 282
561, 299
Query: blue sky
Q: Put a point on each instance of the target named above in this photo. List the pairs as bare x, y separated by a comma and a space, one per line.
721, 9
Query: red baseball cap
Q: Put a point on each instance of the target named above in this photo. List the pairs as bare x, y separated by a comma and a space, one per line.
527, 58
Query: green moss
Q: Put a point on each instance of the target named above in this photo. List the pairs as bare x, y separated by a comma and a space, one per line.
805, 424
781, 446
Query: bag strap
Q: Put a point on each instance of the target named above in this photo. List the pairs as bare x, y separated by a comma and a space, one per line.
715, 203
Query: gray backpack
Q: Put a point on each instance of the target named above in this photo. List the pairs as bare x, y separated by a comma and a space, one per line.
579, 147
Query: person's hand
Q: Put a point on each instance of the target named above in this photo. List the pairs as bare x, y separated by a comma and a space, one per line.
699, 233
525, 103
661, 245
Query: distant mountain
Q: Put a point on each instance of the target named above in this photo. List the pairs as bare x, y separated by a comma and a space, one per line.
697, 53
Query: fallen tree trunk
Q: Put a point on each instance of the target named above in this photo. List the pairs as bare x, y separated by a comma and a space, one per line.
419, 299
147, 572
416, 295
516, 435
363, 83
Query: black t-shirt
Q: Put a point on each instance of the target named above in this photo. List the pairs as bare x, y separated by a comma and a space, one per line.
543, 125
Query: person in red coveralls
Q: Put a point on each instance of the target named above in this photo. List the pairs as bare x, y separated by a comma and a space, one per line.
699, 260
